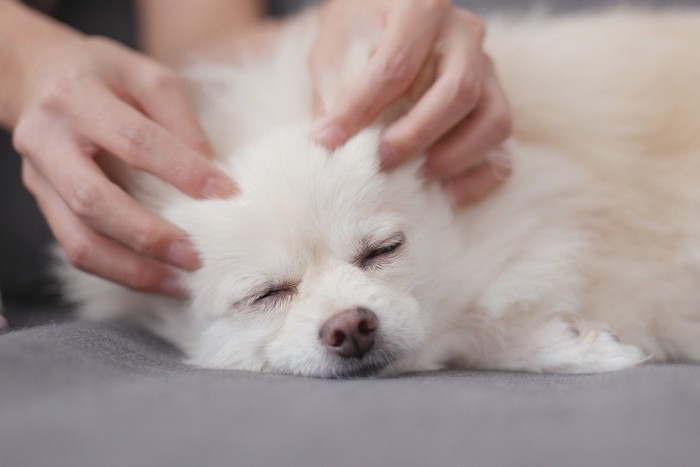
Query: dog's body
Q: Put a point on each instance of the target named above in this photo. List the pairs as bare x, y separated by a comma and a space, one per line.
587, 260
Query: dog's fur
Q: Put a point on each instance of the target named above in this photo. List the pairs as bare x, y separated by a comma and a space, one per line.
587, 260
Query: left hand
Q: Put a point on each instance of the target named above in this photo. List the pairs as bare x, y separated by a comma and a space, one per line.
460, 122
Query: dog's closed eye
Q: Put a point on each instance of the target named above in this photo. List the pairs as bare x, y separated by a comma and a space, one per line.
275, 293
271, 294
268, 295
373, 254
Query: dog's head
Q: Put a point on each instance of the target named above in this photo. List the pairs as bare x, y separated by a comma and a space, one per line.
310, 269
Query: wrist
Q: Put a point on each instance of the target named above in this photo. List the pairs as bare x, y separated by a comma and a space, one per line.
258, 38
170, 31
27, 40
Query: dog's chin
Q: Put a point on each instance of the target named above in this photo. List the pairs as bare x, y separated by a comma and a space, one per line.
373, 363
358, 370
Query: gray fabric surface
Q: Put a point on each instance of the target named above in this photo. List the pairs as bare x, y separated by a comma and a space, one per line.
86, 394
81, 394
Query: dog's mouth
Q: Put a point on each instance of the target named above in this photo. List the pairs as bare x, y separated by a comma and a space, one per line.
371, 364
360, 371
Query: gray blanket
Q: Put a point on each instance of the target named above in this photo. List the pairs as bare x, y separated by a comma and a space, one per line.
82, 394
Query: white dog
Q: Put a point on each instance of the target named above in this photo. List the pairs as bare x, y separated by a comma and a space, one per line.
587, 260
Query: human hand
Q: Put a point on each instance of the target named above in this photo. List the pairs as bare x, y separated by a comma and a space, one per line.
82, 97
460, 122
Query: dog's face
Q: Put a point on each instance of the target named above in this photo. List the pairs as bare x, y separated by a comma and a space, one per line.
310, 269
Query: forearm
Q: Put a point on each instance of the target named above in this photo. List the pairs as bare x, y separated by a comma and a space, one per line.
168, 29
25, 36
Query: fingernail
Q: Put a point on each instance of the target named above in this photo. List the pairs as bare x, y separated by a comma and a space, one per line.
388, 157
217, 186
501, 163
330, 135
181, 254
171, 286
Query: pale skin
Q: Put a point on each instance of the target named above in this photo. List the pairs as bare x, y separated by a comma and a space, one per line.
69, 98
462, 118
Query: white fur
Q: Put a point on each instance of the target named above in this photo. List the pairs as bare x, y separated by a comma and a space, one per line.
587, 260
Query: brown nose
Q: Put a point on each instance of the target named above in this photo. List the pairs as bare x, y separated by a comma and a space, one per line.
350, 333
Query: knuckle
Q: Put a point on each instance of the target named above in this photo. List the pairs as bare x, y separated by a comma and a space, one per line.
84, 199
54, 96
145, 238
136, 139
78, 251
463, 90
436, 6
135, 280
28, 176
141, 279
57, 94
399, 69
502, 123
166, 80
414, 137
186, 174
474, 23
22, 137
200, 142
53, 99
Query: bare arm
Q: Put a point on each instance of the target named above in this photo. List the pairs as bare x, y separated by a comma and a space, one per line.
169, 28
24, 36
68, 99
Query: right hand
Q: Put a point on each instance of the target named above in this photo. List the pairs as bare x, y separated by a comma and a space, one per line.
85, 96
462, 116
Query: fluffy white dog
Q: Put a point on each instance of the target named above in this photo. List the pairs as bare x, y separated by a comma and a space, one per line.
587, 260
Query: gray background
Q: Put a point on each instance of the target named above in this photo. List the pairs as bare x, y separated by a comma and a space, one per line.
85, 394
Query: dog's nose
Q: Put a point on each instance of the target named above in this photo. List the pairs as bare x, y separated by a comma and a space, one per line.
350, 333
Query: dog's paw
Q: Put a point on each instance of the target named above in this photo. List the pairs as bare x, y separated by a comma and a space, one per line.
598, 350
559, 347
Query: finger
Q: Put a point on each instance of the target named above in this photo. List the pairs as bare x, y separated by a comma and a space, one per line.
162, 95
94, 253
317, 106
487, 127
452, 97
106, 208
323, 62
480, 181
125, 132
402, 52
319, 82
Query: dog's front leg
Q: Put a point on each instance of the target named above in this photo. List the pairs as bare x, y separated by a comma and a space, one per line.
560, 345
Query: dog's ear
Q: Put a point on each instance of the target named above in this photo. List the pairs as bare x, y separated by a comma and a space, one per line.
195, 216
